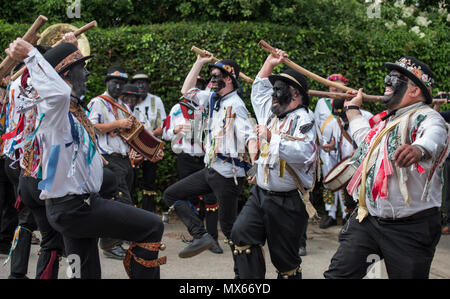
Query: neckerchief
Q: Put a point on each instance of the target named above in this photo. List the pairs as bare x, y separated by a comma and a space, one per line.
81, 116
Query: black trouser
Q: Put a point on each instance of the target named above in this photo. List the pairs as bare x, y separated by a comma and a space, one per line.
187, 165
121, 167
407, 246
52, 243
8, 214
81, 219
447, 190
278, 218
147, 184
26, 225
202, 182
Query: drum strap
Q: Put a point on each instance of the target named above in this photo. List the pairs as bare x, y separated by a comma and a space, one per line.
115, 105
325, 123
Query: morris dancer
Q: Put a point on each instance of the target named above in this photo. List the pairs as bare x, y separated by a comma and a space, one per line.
398, 180
229, 131
275, 210
336, 145
151, 112
72, 169
107, 119
184, 127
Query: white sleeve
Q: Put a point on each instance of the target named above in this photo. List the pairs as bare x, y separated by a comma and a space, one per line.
261, 97
48, 84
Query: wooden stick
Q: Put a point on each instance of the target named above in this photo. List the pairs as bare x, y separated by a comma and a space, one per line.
77, 33
8, 63
342, 96
301, 70
203, 53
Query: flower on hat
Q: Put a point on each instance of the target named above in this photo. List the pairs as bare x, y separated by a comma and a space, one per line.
416, 70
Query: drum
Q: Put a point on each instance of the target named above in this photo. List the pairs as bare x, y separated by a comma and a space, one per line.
340, 175
142, 140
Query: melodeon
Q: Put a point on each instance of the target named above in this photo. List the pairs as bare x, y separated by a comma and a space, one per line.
340, 175
142, 141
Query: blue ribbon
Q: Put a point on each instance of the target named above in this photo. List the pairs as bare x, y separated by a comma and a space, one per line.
52, 165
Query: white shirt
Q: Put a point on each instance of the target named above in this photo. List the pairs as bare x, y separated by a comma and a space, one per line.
147, 112
431, 135
101, 112
55, 134
299, 154
12, 116
180, 142
234, 143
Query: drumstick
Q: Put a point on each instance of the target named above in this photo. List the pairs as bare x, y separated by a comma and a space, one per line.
203, 54
77, 33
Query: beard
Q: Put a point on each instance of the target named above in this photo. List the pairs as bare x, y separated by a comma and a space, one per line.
392, 99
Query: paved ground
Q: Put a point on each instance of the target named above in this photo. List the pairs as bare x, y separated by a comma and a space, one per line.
321, 246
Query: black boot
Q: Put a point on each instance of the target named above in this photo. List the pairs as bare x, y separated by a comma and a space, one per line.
20, 255
330, 221
197, 246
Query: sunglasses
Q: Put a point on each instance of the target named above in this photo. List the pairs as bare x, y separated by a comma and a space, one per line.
394, 80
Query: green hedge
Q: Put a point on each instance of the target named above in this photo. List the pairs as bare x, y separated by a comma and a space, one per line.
356, 47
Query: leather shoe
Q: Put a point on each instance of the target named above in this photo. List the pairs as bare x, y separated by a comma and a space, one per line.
117, 252
330, 221
446, 230
216, 248
197, 246
302, 251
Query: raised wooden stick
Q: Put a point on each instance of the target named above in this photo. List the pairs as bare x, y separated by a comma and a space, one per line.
76, 33
288, 62
30, 36
303, 71
342, 96
203, 53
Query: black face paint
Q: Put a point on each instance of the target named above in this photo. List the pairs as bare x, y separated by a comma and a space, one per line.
217, 78
77, 77
142, 85
130, 100
281, 98
399, 86
114, 87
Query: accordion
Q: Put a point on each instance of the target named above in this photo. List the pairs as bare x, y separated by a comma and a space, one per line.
142, 141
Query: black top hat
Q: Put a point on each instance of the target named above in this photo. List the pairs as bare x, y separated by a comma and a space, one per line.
63, 56
230, 67
116, 72
140, 75
130, 89
418, 72
294, 79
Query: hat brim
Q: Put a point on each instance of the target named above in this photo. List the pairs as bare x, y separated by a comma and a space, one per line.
210, 66
273, 78
393, 66
66, 67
